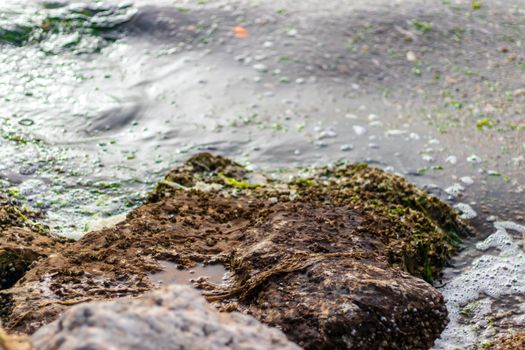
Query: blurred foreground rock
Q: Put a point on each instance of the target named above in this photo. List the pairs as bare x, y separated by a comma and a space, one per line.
176, 317
336, 258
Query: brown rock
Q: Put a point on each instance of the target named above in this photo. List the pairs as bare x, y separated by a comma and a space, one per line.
334, 260
14, 342
514, 342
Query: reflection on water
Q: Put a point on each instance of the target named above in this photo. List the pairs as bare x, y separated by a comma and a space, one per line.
171, 274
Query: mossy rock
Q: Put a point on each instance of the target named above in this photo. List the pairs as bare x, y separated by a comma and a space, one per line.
335, 258
422, 231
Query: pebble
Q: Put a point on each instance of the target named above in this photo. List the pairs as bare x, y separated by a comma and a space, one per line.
451, 160
292, 32
414, 136
427, 158
359, 130
327, 134
395, 132
260, 67
474, 159
467, 180
346, 148
491, 218
376, 123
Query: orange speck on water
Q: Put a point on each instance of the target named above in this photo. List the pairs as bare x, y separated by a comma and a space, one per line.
240, 32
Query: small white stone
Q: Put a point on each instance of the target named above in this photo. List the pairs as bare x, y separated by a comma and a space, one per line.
467, 180
359, 130
292, 32
451, 160
491, 218
474, 159
427, 158
414, 136
395, 132
260, 67
346, 148
326, 134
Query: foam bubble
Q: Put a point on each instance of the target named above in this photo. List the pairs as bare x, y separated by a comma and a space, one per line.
477, 291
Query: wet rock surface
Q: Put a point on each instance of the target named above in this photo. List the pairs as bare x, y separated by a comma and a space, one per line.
176, 317
22, 243
14, 342
516, 341
334, 258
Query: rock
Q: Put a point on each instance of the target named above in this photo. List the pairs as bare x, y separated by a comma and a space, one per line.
513, 342
14, 342
359, 130
260, 67
176, 317
474, 159
334, 259
411, 56
22, 242
467, 180
451, 160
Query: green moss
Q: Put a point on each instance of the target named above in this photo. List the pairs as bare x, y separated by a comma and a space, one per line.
242, 184
485, 123
85, 21
476, 5
422, 26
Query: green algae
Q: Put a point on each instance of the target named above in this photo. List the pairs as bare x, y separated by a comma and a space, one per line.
11, 215
242, 184
73, 25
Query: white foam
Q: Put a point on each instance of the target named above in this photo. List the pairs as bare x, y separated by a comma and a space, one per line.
471, 294
455, 190
466, 211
